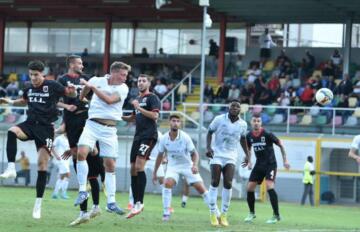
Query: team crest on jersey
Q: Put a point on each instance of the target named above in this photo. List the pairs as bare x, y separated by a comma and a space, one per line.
262, 139
45, 89
144, 99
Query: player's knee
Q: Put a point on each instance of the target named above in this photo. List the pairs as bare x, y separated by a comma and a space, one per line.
215, 182
168, 183
227, 184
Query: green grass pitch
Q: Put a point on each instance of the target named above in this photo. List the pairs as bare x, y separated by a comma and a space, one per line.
16, 209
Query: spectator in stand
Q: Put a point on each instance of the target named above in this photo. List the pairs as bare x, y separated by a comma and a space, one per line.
307, 96
283, 57
345, 87
160, 88
247, 94
302, 72
328, 69
336, 59
213, 56
356, 87
177, 74
264, 98
330, 84
222, 93
162, 53
12, 90
291, 94
315, 82
266, 44
144, 53
287, 71
208, 93
253, 73
234, 93
274, 86
259, 86
85, 53
310, 65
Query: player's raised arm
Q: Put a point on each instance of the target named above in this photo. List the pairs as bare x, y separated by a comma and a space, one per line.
109, 99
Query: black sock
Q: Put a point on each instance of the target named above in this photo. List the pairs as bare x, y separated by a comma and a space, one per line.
95, 189
134, 188
11, 146
141, 186
274, 201
74, 163
251, 201
83, 206
40, 184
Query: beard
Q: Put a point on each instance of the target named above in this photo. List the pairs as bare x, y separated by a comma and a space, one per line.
174, 129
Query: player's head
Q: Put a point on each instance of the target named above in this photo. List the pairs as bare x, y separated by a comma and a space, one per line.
234, 108
175, 122
75, 64
36, 69
310, 159
143, 83
119, 70
256, 122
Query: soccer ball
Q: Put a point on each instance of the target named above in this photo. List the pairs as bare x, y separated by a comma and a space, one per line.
324, 96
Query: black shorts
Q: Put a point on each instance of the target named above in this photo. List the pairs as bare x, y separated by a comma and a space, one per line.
141, 148
74, 126
96, 166
260, 172
43, 135
265, 53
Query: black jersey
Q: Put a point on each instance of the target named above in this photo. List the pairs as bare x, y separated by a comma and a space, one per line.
67, 79
146, 128
263, 146
42, 101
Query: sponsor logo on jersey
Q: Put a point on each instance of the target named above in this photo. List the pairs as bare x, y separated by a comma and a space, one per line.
45, 88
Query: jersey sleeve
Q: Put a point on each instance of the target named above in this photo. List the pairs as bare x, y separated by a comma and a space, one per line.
161, 147
62, 81
58, 88
25, 93
214, 124
274, 139
154, 103
244, 131
92, 80
355, 143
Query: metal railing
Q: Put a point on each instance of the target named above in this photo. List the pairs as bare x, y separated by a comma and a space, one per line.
188, 77
289, 119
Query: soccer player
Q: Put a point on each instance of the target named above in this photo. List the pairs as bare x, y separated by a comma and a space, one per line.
265, 167
41, 97
60, 145
183, 160
229, 130
75, 115
150, 165
105, 111
146, 113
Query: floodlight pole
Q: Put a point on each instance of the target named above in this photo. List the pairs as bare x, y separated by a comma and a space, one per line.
202, 78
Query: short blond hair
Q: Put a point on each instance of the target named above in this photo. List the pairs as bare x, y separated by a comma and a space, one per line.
117, 65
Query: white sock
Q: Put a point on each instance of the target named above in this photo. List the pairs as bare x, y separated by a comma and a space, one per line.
65, 184
11, 165
38, 202
166, 197
206, 198
213, 192
131, 197
57, 186
110, 185
82, 172
225, 201
185, 198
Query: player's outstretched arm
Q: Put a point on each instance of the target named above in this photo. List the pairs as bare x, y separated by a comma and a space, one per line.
129, 118
68, 107
17, 102
353, 154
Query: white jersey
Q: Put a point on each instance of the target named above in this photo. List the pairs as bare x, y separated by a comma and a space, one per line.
178, 150
155, 151
60, 145
227, 136
356, 143
102, 110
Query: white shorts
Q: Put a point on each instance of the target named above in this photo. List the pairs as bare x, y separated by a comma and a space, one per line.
63, 166
150, 164
105, 135
222, 161
174, 172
